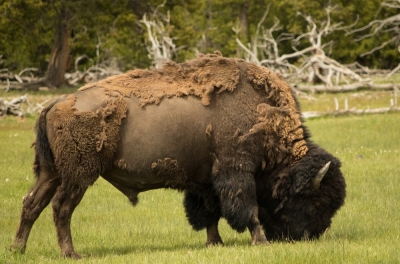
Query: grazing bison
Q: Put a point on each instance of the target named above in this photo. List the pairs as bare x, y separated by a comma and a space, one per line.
227, 132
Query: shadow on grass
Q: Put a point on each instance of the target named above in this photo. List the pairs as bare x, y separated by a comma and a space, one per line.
110, 250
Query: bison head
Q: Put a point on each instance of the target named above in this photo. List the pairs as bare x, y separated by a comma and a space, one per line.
298, 202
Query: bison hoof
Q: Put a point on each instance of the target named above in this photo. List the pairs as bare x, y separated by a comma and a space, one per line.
72, 255
212, 243
260, 242
17, 248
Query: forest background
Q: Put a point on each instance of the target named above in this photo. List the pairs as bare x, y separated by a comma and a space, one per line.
39, 33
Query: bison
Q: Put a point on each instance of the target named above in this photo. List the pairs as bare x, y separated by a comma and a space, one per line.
226, 132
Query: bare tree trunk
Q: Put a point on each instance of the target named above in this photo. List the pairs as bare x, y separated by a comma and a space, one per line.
55, 76
243, 26
243, 19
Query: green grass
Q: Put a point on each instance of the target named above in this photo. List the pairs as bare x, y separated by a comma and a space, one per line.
107, 229
325, 102
363, 99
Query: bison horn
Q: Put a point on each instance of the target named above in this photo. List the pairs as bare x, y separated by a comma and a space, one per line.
320, 175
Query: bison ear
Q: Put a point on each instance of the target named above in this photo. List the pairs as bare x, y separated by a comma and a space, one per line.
320, 175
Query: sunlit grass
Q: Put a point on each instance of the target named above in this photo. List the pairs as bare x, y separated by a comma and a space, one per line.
325, 102
362, 99
107, 229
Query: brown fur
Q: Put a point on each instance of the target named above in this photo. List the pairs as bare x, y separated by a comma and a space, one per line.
279, 120
198, 77
85, 139
169, 170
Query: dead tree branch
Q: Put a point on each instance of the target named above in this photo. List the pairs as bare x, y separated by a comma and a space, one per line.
161, 46
94, 73
389, 24
345, 88
12, 107
313, 63
9, 80
393, 71
353, 111
25, 79
384, 44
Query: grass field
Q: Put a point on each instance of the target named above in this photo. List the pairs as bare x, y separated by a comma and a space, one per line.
106, 229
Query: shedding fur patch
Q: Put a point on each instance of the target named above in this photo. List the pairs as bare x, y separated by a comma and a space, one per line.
121, 163
280, 119
199, 77
84, 143
209, 130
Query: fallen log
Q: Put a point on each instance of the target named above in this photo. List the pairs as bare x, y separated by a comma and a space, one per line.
313, 114
12, 107
345, 87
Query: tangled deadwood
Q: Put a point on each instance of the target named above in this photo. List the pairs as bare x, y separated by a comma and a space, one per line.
160, 46
17, 81
27, 80
14, 106
309, 67
94, 73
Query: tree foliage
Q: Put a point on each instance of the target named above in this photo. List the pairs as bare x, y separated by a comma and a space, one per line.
26, 34
102, 29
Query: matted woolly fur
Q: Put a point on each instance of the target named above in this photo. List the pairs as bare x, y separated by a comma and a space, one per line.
92, 145
199, 77
279, 119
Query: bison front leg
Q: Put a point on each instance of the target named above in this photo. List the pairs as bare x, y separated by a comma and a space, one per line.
213, 236
237, 193
33, 204
64, 204
257, 234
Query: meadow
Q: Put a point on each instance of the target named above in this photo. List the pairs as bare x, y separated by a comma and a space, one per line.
107, 229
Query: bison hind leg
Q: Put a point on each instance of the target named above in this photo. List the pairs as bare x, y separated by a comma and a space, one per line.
203, 211
67, 197
33, 204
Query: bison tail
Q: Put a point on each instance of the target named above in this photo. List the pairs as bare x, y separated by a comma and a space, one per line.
43, 154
